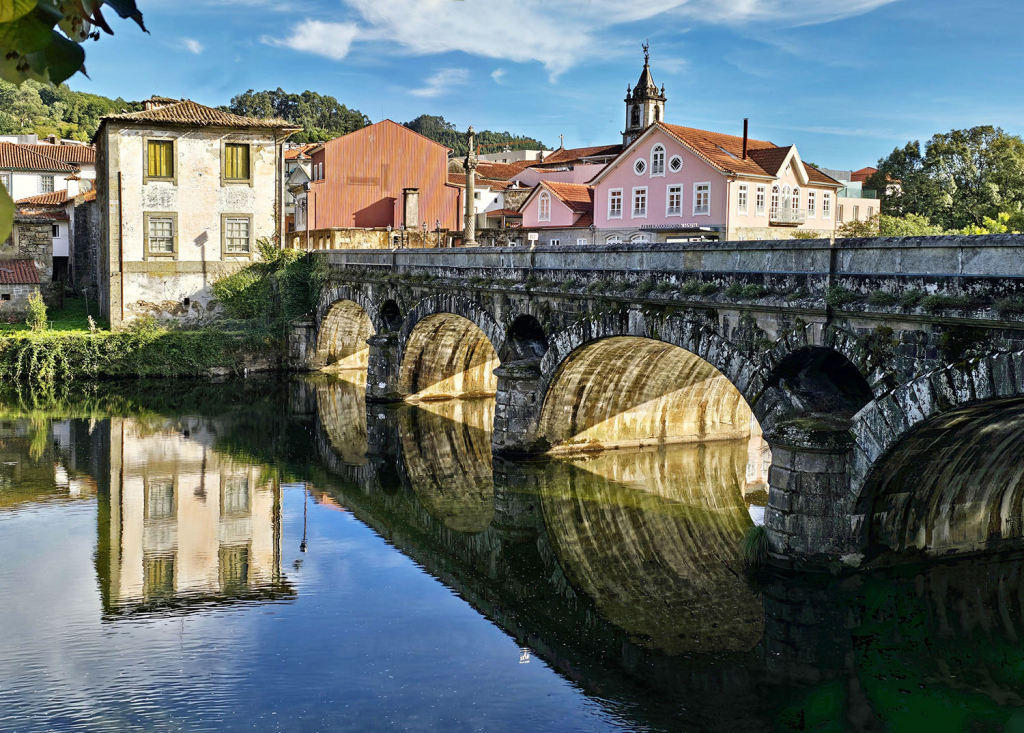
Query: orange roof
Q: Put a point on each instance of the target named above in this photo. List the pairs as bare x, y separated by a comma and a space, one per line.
576, 196
569, 155
187, 112
18, 272
22, 157
722, 151
54, 198
504, 212
459, 179
299, 151
863, 174
502, 171
74, 154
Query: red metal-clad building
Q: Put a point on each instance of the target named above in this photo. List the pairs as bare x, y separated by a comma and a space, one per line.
358, 180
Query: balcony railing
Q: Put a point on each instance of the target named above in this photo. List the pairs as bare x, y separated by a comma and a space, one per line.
857, 193
787, 215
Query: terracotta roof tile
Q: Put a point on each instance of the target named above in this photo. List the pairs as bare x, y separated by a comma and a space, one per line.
770, 159
724, 152
18, 272
570, 155
504, 212
74, 154
502, 171
863, 174
299, 151
584, 221
187, 112
22, 157
576, 196
54, 198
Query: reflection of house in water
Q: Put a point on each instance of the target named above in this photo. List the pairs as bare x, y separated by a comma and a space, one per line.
183, 525
38, 460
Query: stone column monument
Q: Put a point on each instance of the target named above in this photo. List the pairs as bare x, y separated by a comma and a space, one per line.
469, 235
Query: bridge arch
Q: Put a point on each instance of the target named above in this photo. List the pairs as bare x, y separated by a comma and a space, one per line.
448, 347
965, 497
626, 381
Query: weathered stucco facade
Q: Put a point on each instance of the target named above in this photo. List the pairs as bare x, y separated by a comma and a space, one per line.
196, 199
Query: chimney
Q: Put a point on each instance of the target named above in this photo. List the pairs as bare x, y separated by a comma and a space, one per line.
746, 125
73, 186
410, 208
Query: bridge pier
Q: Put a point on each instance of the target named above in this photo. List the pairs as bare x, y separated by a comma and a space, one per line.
383, 369
518, 402
807, 518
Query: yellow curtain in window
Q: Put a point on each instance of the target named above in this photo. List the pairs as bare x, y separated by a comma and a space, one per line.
161, 159
236, 161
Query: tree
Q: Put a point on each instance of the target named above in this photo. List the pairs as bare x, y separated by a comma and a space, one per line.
999, 225
904, 184
321, 117
859, 228
911, 225
440, 130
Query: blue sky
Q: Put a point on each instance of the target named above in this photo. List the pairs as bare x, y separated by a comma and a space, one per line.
846, 80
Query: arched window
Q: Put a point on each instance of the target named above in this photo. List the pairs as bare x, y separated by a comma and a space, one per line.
775, 199
544, 207
613, 239
640, 239
658, 160
787, 197
634, 117
796, 198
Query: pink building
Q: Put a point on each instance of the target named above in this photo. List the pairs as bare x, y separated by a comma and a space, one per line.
673, 183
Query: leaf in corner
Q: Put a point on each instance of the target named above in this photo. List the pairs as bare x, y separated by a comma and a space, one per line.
6, 213
14, 9
60, 60
126, 9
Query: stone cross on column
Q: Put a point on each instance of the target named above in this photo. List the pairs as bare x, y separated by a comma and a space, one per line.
469, 235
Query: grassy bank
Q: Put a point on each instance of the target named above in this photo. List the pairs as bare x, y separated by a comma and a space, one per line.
57, 356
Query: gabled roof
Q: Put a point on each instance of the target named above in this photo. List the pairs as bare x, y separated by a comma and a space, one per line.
502, 171
22, 157
18, 272
74, 154
192, 114
863, 174
577, 196
300, 152
571, 155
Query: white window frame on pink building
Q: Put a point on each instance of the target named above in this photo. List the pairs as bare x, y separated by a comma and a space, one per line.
761, 200
668, 200
655, 172
812, 205
633, 209
611, 193
544, 198
696, 193
743, 198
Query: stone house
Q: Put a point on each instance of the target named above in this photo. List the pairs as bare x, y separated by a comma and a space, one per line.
24, 256
184, 192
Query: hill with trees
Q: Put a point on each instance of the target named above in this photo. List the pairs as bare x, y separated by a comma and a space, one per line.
321, 117
47, 110
437, 128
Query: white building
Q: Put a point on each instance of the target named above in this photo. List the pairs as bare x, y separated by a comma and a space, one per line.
185, 193
25, 172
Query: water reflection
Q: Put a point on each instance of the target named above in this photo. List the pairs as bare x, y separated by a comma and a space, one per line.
616, 576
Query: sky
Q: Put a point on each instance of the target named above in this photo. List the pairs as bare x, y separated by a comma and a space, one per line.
844, 80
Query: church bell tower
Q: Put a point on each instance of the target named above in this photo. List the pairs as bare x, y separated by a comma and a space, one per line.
645, 105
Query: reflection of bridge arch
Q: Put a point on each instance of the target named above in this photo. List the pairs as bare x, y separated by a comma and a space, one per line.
448, 347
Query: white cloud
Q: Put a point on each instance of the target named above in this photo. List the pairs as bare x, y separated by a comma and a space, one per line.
558, 35
442, 82
192, 45
498, 75
331, 40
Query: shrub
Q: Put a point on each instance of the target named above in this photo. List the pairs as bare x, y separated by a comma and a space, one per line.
805, 235
734, 290
245, 294
838, 296
36, 318
880, 297
754, 546
1010, 306
798, 294
911, 298
664, 286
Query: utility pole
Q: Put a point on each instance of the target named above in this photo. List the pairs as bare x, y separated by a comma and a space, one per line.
469, 235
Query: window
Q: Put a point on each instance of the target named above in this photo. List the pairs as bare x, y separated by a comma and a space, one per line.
741, 199
233, 568
674, 201
634, 116
615, 203
812, 205
795, 202
237, 230
55, 230
160, 159
5, 179
234, 496
544, 207
321, 171
839, 217
555, 241
613, 239
160, 499
826, 205
640, 239
787, 197
161, 234
640, 202
775, 199
676, 164
759, 200
46, 184
701, 199
856, 213
476, 195
871, 211
582, 241
236, 162
658, 160
640, 166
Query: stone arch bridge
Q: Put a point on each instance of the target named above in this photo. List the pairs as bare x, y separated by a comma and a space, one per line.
887, 375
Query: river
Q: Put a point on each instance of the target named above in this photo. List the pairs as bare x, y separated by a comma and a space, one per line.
257, 555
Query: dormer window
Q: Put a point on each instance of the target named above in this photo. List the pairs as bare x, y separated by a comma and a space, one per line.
658, 160
544, 207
